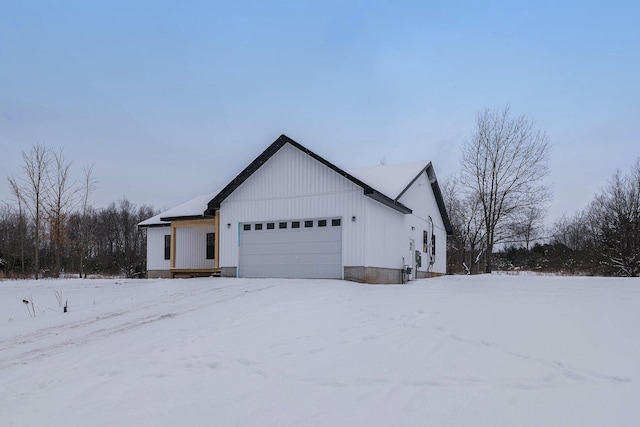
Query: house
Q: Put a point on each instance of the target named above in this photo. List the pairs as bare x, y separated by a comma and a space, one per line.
293, 214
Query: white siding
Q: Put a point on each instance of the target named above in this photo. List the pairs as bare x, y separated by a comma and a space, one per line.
155, 248
420, 198
389, 232
387, 239
293, 185
191, 247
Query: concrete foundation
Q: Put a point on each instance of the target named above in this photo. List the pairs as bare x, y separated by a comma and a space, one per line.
427, 274
159, 274
373, 275
228, 271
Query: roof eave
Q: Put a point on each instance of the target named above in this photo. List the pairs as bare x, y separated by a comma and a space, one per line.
393, 204
153, 225
441, 206
182, 218
273, 149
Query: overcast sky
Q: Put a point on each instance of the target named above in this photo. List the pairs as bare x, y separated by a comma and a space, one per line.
171, 99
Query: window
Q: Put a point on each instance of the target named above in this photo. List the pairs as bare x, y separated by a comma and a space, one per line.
322, 223
257, 227
246, 227
433, 245
425, 241
211, 245
335, 222
308, 224
295, 224
167, 246
282, 225
270, 226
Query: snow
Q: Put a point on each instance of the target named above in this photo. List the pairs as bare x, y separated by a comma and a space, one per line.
390, 180
458, 351
193, 207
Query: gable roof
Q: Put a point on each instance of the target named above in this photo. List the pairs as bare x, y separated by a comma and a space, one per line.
383, 181
273, 149
391, 180
395, 180
191, 209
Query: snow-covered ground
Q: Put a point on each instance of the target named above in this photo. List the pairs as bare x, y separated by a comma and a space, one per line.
454, 351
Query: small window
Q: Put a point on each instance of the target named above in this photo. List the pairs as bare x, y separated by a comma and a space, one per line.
282, 225
211, 245
335, 222
322, 223
271, 226
167, 246
425, 241
308, 224
295, 224
433, 245
246, 227
257, 227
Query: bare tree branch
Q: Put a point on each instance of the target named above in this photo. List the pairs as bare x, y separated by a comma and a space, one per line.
503, 165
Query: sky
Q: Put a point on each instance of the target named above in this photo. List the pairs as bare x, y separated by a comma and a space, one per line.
170, 100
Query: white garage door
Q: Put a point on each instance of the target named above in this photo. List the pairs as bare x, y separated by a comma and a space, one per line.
306, 249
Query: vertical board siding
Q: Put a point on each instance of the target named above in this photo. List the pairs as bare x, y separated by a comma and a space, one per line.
294, 186
191, 247
387, 237
422, 201
155, 248
291, 173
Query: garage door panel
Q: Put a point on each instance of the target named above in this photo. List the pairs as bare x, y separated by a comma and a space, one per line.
305, 252
292, 248
300, 271
274, 236
275, 258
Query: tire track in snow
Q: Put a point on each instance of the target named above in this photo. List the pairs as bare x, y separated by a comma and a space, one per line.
93, 335
47, 332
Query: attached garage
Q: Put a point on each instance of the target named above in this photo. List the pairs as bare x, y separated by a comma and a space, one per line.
306, 248
292, 214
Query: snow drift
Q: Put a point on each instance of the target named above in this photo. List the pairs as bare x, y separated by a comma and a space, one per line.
482, 351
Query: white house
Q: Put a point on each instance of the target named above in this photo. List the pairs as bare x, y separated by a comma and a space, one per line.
293, 214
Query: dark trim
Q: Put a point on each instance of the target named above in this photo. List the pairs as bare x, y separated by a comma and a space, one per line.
182, 218
431, 175
273, 149
415, 178
154, 225
441, 206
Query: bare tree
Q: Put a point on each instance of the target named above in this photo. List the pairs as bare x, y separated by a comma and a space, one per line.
616, 211
59, 202
467, 221
88, 186
572, 232
527, 225
32, 189
504, 164
17, 193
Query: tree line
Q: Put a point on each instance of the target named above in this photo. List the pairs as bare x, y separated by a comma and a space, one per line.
51, 227
604, 238
499, 199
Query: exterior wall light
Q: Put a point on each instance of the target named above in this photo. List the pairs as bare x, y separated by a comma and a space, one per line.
353, 218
